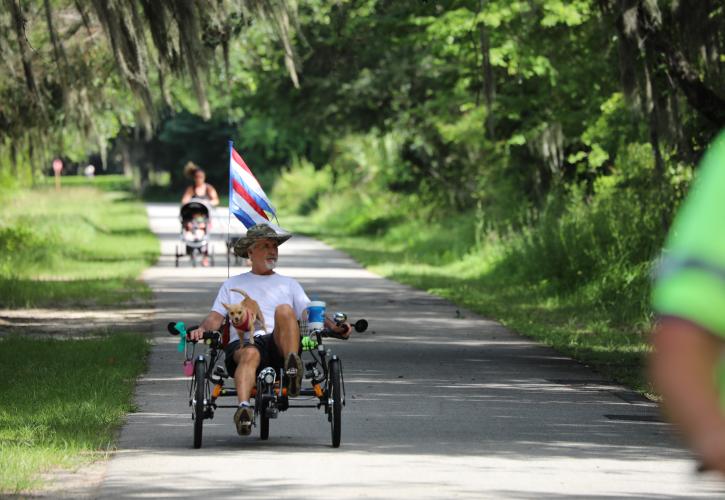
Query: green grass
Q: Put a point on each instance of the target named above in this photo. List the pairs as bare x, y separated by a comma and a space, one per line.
426, 255
62, 401
84, 245
102, 182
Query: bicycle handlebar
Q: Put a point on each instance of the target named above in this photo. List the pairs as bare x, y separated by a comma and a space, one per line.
181, 330
214, 336
360, 326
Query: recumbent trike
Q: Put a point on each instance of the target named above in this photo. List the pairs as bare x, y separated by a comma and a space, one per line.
322, 368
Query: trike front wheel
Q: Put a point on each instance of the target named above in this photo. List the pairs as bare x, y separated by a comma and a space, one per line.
335, 401
199, 395
264, 426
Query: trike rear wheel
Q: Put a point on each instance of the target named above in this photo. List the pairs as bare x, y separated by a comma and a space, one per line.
335, 398
199, 396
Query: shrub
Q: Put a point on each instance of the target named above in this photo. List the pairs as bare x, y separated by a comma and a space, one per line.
298, 188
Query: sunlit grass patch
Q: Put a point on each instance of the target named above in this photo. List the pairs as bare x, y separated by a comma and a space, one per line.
115, 182
62, 401
80, 245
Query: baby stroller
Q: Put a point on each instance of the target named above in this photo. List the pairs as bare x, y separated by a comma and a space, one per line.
195, 219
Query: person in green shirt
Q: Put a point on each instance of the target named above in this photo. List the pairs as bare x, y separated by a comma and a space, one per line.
686, 363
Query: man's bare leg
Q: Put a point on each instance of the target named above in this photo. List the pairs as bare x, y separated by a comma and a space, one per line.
287, 339
247, 359
286, 330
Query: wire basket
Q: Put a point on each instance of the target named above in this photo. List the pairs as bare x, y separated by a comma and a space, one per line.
304, 328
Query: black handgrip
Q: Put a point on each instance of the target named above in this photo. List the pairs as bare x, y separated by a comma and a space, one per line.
212, 335
208, 335
171, 327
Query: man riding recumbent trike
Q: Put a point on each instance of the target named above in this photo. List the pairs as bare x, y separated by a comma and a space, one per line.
323, 376
264, 352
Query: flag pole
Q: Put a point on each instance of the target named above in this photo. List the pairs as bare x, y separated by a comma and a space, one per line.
229, 211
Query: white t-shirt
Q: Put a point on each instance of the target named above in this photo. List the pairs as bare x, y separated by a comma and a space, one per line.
269, 290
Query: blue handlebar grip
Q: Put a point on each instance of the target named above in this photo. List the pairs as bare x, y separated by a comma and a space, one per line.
181, 328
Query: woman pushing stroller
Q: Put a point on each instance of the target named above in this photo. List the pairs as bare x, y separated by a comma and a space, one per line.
195, 214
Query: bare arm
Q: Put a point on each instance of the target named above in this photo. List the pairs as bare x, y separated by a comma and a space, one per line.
188, 195
213, 195
344, 330
682, 366
213, 321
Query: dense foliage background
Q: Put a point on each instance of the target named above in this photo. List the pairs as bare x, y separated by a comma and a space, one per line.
552, 138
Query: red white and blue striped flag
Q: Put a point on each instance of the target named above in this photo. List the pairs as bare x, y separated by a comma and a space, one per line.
247, 200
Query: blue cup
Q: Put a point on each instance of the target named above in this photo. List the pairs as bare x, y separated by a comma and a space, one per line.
316, 315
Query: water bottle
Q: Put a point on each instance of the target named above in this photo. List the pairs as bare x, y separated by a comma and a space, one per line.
316, 315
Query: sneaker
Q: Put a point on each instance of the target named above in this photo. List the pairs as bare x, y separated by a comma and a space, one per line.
243, 419
205, 262
293, 369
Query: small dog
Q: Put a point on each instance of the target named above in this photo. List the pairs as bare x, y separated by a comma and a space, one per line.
245, 315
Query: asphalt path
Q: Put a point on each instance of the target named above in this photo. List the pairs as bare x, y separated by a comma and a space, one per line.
441, 403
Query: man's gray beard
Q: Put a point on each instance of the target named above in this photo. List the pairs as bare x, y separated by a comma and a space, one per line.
270, 265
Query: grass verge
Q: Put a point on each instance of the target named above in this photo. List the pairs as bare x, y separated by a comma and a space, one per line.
422, 255
63, 403
84, 245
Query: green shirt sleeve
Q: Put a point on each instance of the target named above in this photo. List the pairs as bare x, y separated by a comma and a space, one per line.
691, 280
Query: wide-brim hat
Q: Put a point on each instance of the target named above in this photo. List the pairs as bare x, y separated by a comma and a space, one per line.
259, 232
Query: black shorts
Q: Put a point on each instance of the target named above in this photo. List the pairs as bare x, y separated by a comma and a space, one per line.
268, 352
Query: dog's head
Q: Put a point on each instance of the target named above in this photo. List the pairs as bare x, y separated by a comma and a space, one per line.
238, 315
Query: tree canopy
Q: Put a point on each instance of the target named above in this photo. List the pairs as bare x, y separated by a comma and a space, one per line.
82, 71
483, 98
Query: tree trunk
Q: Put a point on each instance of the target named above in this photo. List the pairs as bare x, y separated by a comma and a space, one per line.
13, 158
698, 94
24, 46
60, 58
31, 158
654, 136
126, 158
489, 85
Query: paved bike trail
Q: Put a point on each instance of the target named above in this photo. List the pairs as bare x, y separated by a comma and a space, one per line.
441, 403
